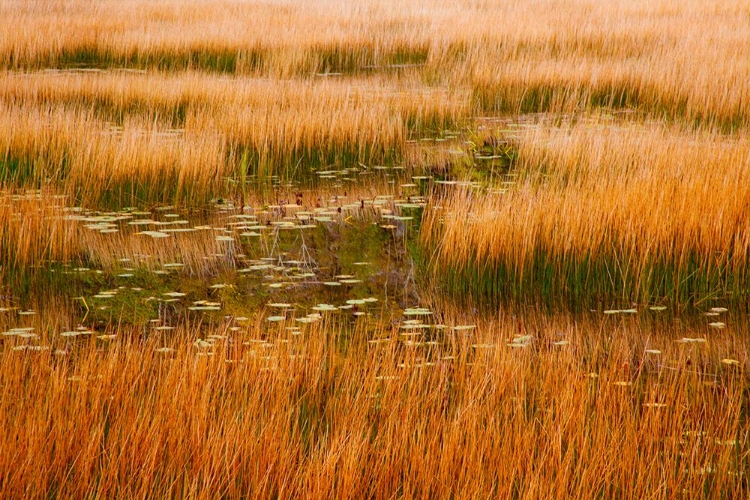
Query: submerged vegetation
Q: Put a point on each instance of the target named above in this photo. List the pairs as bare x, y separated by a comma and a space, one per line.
374, 250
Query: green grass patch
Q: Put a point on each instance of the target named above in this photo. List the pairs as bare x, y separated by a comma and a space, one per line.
324, 58
581, 283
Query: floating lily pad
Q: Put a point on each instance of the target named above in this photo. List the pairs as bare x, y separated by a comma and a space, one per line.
33, 348
75, 333
325, 308
154, 234
621, 311
520, 341
655, 405
306, 320
730, 362
417, 312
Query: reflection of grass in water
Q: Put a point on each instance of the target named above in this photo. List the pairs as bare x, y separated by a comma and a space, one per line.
285, 164
358, 255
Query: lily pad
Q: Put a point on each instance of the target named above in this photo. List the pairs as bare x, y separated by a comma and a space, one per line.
154, 234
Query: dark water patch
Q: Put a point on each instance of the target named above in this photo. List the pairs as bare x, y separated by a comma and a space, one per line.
161, 188
217, 60
301, 165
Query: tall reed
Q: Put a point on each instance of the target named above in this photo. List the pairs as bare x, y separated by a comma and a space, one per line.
268, 414
605, 211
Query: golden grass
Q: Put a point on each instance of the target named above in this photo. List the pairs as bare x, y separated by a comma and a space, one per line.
687, 59
89, 159
655, 64
154, 137
639, 196
32, 231
300, 416
643, 55
586, 188
627, 183
620, 211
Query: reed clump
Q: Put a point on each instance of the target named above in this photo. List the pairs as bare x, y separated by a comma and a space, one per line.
608, 211
32, 230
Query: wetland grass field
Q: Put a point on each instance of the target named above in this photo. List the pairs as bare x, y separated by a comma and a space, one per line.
466, 249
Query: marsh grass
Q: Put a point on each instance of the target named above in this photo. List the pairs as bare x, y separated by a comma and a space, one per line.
118, 140
238, 240
32, 232
294, 88
309, 415
643, 54
606, 210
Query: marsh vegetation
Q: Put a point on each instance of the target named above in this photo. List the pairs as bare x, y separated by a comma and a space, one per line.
374, 249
